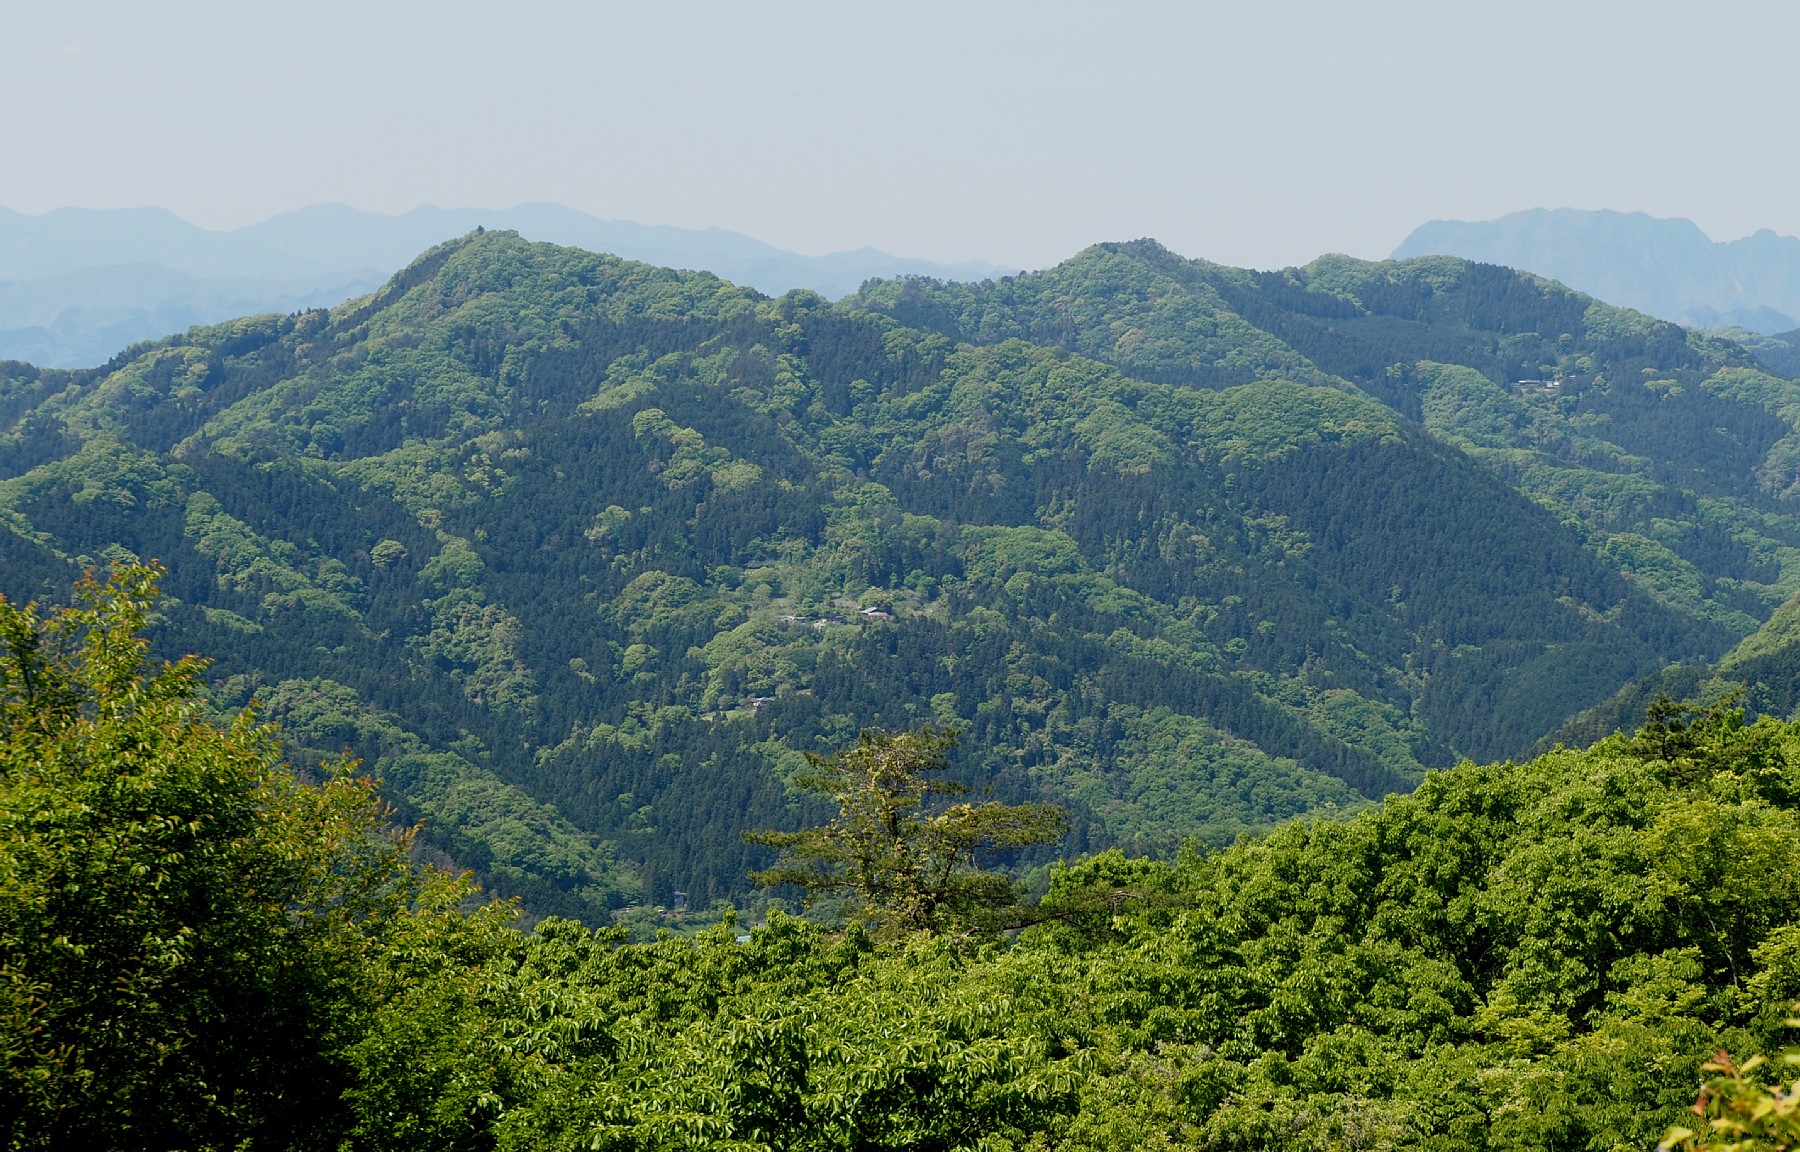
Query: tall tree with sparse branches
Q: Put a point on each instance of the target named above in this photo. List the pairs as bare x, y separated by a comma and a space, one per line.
908, 863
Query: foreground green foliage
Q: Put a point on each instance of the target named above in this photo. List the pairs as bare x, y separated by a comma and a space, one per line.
200, 951
182, 924
1738, 1111
1517, 956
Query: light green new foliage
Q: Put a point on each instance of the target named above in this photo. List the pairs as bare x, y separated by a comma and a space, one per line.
1151, 316
478, 643
524, 846
1127, 424
1187, 772
807, 1046
249, 563
1780, 631
415, 343
179, 918
104, 470
684, 456
1739, 1111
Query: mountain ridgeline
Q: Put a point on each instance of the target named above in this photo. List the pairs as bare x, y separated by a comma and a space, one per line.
78, 284
581, 555
1667, 268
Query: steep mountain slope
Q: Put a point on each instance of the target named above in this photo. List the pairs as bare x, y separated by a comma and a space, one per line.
1667, 268
581, 554
1763, 671
1778, 352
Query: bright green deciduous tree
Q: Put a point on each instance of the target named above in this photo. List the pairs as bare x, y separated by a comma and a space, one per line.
183, 924
1738, 1112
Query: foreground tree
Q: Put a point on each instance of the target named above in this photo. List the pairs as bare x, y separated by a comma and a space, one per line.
1739, 1111
183, 924
906, 865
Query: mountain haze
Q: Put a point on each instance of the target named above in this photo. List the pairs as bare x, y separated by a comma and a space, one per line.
580, 554
79, 285
1667, 268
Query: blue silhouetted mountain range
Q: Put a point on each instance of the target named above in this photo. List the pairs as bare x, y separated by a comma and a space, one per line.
78, 285
1669, 269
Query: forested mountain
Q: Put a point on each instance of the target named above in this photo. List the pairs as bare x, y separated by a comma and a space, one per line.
1667, 268
1779, 352
1762, 672
580, 554
1672, 455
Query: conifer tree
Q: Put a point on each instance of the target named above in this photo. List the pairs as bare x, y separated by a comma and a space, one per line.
908, 865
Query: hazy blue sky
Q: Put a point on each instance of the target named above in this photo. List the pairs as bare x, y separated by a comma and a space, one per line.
1252, 133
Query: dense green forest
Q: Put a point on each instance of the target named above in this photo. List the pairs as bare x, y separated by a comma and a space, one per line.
580, 556
1762, 673
198, 950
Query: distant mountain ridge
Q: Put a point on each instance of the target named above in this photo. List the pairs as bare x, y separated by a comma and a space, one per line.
1667, 268
90, 315
79, 285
